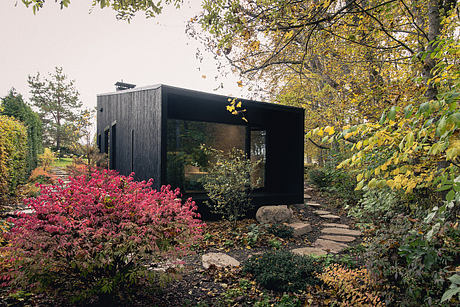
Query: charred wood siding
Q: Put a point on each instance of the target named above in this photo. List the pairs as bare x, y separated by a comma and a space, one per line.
140, 117
138, 114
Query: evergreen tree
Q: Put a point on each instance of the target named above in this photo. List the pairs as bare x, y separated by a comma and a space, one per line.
59, 107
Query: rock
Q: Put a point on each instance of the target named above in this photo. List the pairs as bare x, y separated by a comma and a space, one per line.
299, 228
335, 225
308, 189
307, 251
341, 231
219, 260
328, 245
306, 197
322, 212
274, 214
330, 216
299, 206
312, 204
338, 238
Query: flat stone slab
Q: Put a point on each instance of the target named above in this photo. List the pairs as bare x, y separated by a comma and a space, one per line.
219, 260
306, 196
328, 245
341, 231
330, 216
322, 212
307, 251
338, 238
335, 225
299, 228
308, 189
312, 204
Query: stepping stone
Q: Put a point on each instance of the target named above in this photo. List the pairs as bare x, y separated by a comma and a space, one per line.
308, 189
312, 204
322, 212
341, 231
306, 196
330, 216
335, 225
338, 238
299, 229
307, 251
328, 245
219, 260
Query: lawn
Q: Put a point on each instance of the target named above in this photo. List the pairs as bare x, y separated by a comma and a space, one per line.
62, 162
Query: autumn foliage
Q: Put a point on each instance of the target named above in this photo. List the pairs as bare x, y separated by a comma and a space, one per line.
99, 235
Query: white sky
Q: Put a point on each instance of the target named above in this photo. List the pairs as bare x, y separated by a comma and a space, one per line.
96, 50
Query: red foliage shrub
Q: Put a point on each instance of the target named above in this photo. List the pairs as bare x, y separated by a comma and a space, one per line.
97, 235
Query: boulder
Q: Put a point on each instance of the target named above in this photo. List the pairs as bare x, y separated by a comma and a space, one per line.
274, 214
219, 260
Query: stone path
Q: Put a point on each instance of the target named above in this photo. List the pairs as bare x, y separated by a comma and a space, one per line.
57, 172
334, 236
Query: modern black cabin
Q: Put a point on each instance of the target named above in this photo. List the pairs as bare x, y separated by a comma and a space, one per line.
156, 132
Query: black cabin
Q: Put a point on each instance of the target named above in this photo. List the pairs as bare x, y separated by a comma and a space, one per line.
156, 132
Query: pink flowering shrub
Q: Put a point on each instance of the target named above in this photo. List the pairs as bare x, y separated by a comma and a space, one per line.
97, 235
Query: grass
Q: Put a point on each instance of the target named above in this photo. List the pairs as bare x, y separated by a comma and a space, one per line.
61, 162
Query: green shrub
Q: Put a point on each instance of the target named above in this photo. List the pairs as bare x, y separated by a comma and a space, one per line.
13, 105
283, 270
376, 206
417, 266
13, 148
320, 177
228, 182
281, 231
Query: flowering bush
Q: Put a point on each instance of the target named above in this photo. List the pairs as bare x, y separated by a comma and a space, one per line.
96, 236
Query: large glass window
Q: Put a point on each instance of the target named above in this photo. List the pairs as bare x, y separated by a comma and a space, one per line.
186, 162
258, 154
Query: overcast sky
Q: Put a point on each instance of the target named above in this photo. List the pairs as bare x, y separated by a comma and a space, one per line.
96, 50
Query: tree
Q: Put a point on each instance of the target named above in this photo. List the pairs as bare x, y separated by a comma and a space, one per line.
59, 107
125, 9
13, 105
343, 61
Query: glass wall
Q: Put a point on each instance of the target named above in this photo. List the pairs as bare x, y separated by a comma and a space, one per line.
186, 162
258, 155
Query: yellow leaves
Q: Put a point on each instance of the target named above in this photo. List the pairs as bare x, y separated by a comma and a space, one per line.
329, 130
239, 83
348, 135
453, 151
254, 46
359, 177
203, 76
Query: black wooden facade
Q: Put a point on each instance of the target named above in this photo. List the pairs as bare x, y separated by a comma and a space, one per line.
132, 127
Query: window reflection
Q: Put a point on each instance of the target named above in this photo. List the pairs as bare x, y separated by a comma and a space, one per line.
186, 162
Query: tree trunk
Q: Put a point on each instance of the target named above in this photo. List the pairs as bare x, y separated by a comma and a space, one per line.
434, 29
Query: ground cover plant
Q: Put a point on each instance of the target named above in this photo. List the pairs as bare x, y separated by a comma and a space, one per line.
95, 238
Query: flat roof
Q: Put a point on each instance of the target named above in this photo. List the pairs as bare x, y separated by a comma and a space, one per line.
183, 91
